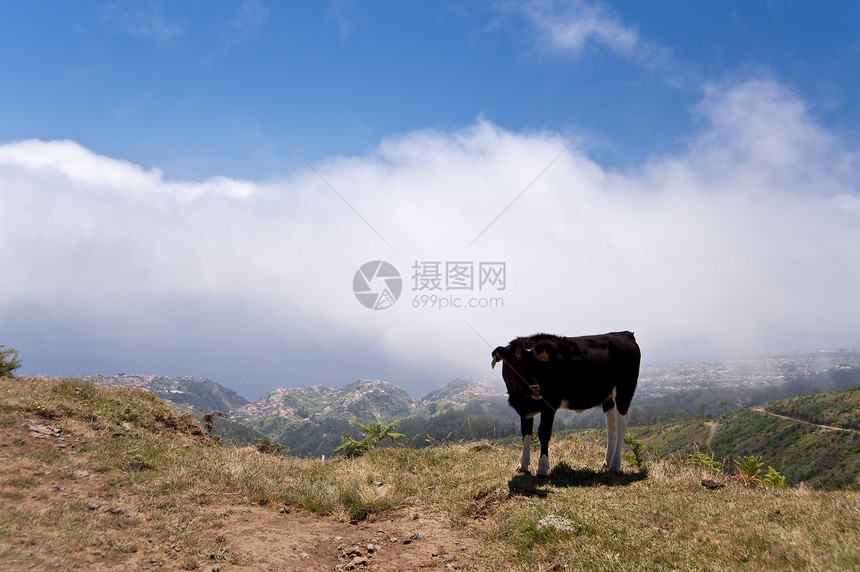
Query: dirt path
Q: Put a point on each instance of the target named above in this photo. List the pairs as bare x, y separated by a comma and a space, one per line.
713, 426
764, 411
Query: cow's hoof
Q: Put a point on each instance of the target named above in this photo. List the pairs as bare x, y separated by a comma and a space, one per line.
523, 471
543, 467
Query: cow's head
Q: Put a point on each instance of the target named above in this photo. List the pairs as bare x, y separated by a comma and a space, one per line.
534, 350
526, 359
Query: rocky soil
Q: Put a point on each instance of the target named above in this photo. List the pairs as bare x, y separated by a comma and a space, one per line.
124, 531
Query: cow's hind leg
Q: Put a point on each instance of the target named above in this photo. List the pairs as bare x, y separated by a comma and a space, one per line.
616, 429
527, 426
544, 433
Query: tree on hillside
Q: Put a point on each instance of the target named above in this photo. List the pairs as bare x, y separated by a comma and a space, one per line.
9, 361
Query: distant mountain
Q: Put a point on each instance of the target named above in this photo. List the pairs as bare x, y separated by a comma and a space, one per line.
190, 394
461, 390
310, 420
482, 396
364, 400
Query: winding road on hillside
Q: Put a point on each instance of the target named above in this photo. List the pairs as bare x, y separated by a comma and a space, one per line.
763, 411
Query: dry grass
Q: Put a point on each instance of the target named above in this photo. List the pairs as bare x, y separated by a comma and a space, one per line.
155, 478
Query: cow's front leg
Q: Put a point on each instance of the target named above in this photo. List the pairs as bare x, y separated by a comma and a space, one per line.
527, 425
544, 432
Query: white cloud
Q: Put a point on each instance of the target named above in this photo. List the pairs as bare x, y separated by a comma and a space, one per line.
743, 243
143, 20
569, 26
86, 170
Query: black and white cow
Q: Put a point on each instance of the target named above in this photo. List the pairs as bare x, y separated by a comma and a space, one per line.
544, 373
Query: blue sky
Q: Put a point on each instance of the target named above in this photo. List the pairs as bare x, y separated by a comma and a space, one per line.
685, 170
336, 78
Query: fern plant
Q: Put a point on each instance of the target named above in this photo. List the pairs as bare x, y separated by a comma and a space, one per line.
749, 466
374, 434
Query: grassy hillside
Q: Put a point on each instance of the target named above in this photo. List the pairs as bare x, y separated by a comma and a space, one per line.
97, 478
836, 408
822, 457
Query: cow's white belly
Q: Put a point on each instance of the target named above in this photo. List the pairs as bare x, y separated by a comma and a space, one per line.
565, 404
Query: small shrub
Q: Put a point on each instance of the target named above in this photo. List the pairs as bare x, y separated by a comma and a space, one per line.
637, 446
374, 434
9, 361
209, 420
699, 459
267, 447
749, 466
773, 478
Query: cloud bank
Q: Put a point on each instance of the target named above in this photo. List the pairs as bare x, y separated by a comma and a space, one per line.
745, 242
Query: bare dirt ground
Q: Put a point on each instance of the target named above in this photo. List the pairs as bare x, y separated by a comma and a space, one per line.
712, 430
124, 532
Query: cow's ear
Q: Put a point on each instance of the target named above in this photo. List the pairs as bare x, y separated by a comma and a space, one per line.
498, 355
545, 352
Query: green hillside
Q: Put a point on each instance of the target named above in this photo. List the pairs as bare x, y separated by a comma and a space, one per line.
822, 457
837, 408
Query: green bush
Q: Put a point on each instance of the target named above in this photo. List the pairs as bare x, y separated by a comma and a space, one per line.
749, 466
699, 459
9, 361
637, 446
773, 478
374, 434
267, 447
